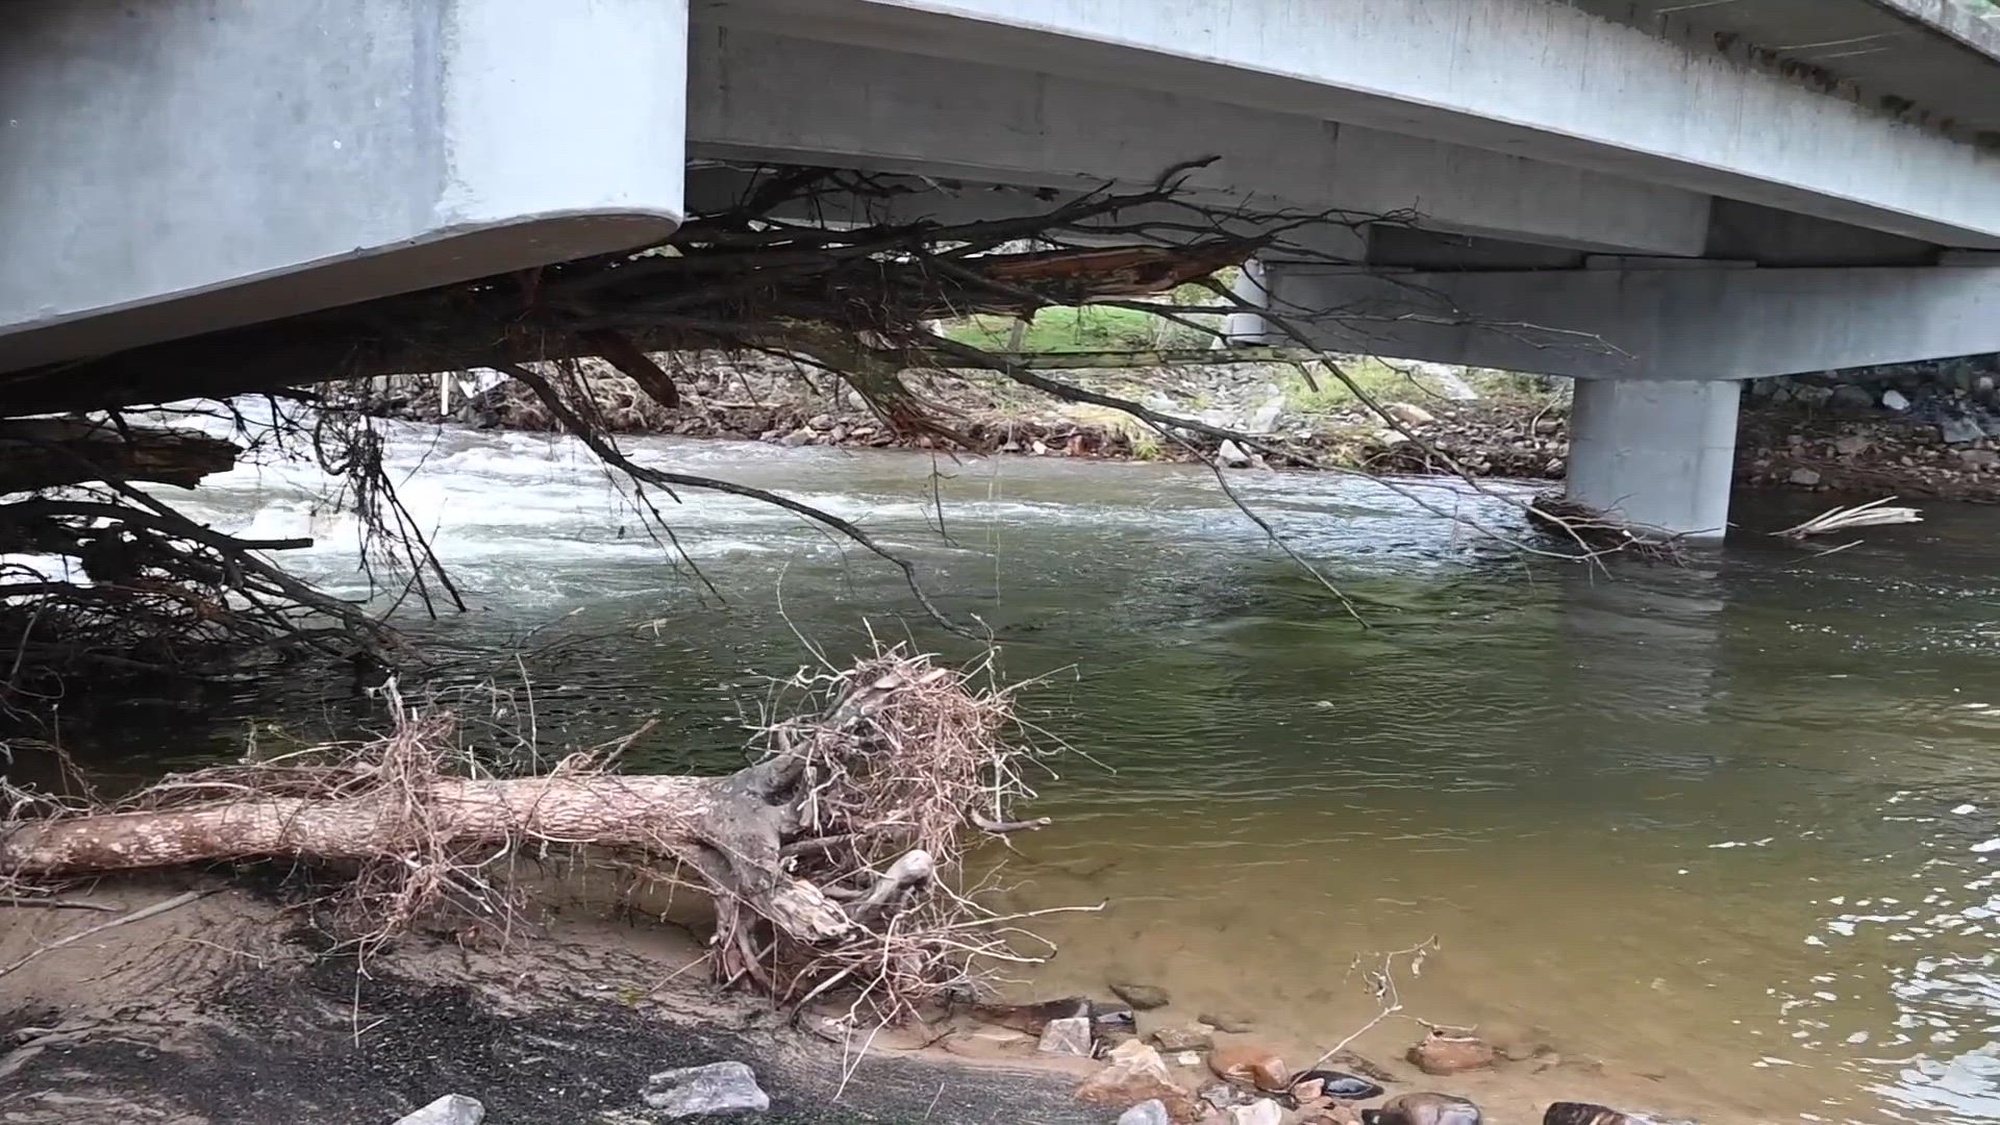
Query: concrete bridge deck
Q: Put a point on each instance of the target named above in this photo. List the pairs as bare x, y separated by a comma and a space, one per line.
1712, 189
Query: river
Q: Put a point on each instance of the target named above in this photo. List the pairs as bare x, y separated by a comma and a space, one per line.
1728, 830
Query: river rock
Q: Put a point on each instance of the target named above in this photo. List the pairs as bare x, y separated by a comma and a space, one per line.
1853, 395
1251, 1064
1960, 431
1142, 997
1423, 1109
797, 437
452, 1109
712, 1090
1231, 1022
1895, 400
1032, 1018
1069, 1036
1153, 1112
1265, 419
1452, 1054
1335, 1114
1408, 413
1585, 1113
1182, 1039
1804, 478
1135, 1073
1335, 1084
1263, 1111
1232, 455
1851, 445
1978, 458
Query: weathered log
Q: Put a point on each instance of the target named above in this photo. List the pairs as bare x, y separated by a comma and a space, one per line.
719, 823
37, 453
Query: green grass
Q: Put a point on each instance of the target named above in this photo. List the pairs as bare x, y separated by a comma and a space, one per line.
1086, 328
1389, 381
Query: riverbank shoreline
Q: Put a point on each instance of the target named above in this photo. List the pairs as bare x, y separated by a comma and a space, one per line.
1804, 435
230, 1007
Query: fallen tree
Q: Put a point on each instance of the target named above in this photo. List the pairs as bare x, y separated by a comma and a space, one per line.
833, 860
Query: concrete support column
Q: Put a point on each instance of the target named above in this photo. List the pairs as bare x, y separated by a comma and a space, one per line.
1654, 452
1243, 327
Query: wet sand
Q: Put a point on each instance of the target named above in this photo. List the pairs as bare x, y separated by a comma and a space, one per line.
224, 1010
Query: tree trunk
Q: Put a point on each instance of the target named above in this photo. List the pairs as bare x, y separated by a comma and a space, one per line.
720, 824
37, 453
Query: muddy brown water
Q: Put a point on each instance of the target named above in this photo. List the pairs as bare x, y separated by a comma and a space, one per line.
1725, 834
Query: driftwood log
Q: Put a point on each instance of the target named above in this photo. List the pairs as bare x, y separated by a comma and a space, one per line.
732, 826
831, 859
38, 453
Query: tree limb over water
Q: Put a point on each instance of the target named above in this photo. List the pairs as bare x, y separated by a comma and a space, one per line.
859, 301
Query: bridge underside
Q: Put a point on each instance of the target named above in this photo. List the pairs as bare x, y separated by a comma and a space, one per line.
1642, 200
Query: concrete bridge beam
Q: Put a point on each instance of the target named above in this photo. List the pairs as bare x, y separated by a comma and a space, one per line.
1656, 320
177, 166
1553, 80
769, 97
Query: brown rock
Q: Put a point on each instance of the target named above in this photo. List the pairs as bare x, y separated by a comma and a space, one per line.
1136, 1074
1182, 1039
1451, 1054
1142, 997
1338, 1113
1227, 1021
1032, 1018
1251, 1064
1425, 1109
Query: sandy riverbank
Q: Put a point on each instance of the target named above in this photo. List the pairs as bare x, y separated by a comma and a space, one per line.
231, 1009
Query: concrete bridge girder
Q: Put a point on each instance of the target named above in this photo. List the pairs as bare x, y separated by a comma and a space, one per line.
1640, 320
784, 99
174, 167
1544, 79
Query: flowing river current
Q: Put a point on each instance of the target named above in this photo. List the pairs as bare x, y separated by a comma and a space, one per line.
1729, 830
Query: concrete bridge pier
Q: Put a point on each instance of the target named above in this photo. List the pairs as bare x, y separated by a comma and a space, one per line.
1655, 452
1244, 326
1659, 347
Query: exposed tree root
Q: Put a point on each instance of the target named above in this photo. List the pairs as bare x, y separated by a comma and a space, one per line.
833, 860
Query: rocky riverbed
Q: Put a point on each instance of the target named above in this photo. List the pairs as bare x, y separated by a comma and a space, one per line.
1921, 431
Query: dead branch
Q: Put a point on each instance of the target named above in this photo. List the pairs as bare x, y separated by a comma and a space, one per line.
833, 858
1872, 514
